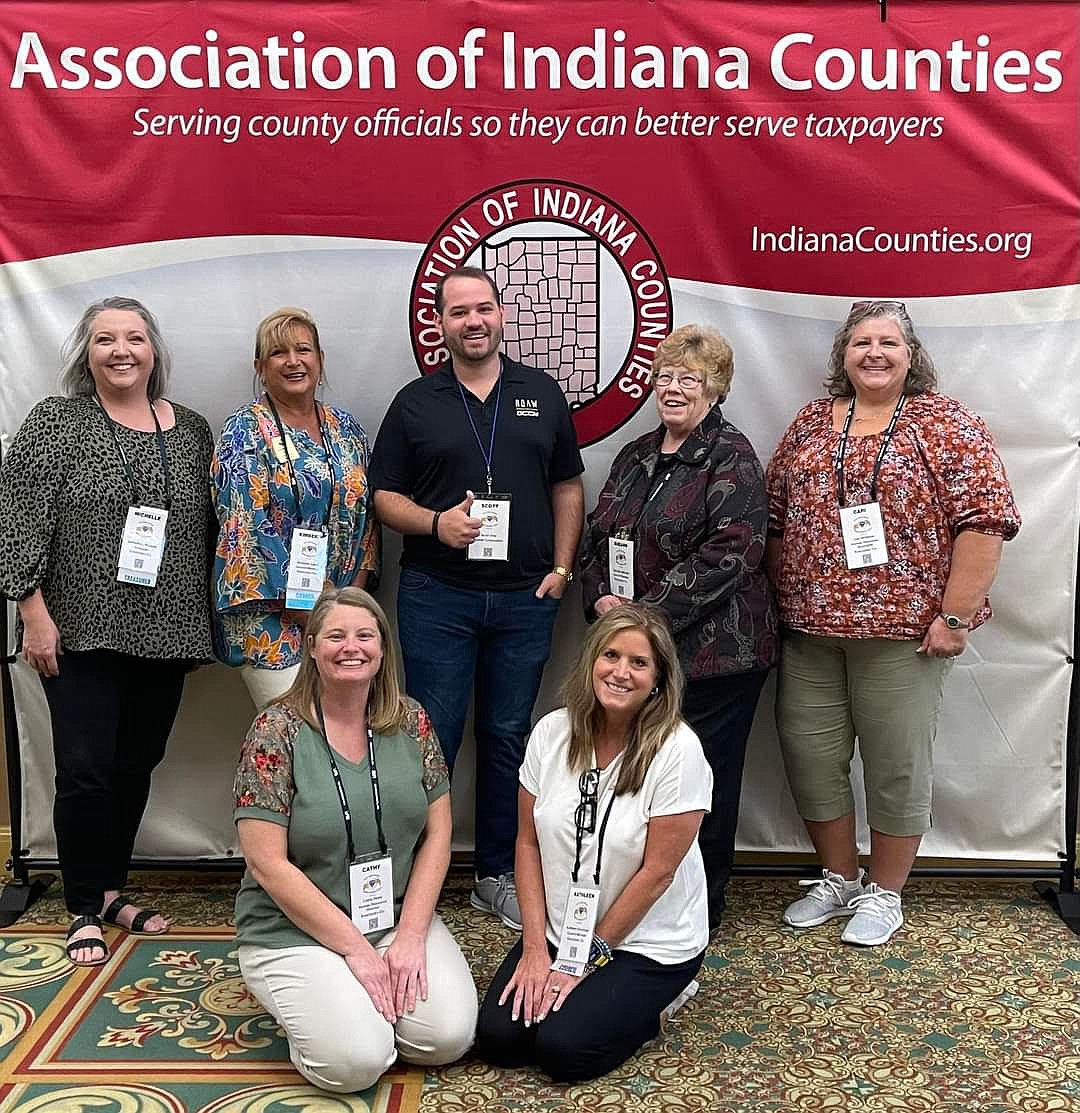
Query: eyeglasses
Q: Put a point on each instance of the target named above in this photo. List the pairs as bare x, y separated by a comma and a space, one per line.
886, 306
585, 813
687, 382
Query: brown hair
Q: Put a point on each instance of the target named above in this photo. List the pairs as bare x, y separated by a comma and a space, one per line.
656, 720
464, 272
387, 705
703, 350
921, 376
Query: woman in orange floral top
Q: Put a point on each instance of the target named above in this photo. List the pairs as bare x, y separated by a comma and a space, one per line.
285, 464
343, 815
888, 506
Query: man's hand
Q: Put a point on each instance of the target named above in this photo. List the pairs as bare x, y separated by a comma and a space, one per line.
457, 528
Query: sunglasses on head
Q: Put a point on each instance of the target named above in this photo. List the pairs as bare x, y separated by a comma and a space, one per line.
858, 307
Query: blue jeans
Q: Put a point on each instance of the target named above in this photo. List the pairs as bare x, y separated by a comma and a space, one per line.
455, 641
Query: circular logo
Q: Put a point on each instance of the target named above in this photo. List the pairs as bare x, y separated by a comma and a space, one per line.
584, 290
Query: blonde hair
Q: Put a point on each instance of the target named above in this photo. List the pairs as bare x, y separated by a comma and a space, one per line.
387, 705
661, 713
700, 349
275, 330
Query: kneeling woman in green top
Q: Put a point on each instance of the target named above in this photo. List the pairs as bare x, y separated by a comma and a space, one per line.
343, 815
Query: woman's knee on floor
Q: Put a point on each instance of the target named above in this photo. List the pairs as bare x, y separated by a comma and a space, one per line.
565, 1056
355, 1062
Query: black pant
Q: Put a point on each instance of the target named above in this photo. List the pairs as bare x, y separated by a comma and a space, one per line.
721, 711
111, 716
603, 1022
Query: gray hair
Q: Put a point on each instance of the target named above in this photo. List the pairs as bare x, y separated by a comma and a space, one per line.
75, 377
921, 376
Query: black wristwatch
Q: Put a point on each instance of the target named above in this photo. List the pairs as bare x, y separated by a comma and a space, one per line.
954, 622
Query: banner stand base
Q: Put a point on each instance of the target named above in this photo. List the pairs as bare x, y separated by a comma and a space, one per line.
16, 897
1066, 905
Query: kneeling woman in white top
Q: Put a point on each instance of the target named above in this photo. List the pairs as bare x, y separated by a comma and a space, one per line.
609, 874
343, 814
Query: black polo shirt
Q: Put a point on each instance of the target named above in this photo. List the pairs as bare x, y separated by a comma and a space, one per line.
426, 449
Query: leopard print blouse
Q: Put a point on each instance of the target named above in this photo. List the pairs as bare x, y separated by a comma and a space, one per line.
64, 497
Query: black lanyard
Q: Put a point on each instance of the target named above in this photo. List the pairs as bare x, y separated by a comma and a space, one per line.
630, 532
579, 833
489, 455
841, 449
129, 471
292, 472
376, 796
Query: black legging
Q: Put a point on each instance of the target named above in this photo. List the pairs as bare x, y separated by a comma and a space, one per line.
111, 717
602, 1023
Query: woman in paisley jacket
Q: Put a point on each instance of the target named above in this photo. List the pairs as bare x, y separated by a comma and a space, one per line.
680, 523
111, 624
286, 462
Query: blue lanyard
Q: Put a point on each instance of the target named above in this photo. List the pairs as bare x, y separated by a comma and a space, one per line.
490, 454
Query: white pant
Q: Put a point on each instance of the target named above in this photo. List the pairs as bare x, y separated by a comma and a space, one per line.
337, 1040
263, 685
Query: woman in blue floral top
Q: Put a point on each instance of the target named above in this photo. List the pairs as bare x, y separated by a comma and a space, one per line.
286, 463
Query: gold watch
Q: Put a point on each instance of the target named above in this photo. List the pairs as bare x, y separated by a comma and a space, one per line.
566, 573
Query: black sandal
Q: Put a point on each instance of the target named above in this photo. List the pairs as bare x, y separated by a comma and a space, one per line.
95, 945
111, 915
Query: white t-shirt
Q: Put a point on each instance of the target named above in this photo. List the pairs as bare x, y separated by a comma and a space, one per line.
676, 927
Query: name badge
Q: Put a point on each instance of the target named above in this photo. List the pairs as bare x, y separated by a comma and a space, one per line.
620, 551
371, 893
307, 568
579, 923
864, 535
493, 542
141, 546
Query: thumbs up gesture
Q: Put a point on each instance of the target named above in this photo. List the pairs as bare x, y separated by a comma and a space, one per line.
456, 527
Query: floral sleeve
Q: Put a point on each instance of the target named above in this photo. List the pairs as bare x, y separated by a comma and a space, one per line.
264, 786
436, 775
251, 552
776, 474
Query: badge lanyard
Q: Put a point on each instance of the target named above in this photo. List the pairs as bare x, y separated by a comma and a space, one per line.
129, 471
582, 901
841, 449
489, 455
376, 796
327, 449
623, 541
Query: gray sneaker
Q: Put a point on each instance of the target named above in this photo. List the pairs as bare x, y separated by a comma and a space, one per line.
687, 994
499, 896
830, 896
877, 915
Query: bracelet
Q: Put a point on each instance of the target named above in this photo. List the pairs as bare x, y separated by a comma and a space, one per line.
435, 524
599, 951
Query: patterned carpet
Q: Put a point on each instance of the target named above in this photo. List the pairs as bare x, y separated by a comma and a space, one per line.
975, 1005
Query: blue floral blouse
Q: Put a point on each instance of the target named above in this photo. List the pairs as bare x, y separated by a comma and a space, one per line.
256, 507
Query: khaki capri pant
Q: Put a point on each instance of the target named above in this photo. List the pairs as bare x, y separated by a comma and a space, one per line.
832, 690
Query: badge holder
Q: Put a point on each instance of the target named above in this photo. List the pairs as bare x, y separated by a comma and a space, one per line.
307, 568
621, 567
142, 545
579, 923
493, 542
864, 535
371, 892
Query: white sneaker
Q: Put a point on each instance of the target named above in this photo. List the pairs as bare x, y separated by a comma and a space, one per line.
877, 916
830, 896
687, 994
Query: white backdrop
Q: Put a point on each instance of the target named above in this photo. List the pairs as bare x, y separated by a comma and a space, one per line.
999, 780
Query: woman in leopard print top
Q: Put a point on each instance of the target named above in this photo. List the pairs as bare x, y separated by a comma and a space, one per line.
112, 652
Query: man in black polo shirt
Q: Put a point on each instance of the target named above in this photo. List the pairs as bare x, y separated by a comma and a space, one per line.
477, 465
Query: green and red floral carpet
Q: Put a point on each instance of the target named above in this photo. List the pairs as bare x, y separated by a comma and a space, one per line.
975, 1005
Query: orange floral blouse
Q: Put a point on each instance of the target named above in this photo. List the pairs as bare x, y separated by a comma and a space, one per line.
940, 476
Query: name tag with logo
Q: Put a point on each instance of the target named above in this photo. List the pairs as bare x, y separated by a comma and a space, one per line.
493, 543
621, 566
371, 893
307, 569
864, 535
142, 545
579, 923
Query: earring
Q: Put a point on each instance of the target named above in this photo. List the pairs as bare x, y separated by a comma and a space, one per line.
655, 691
